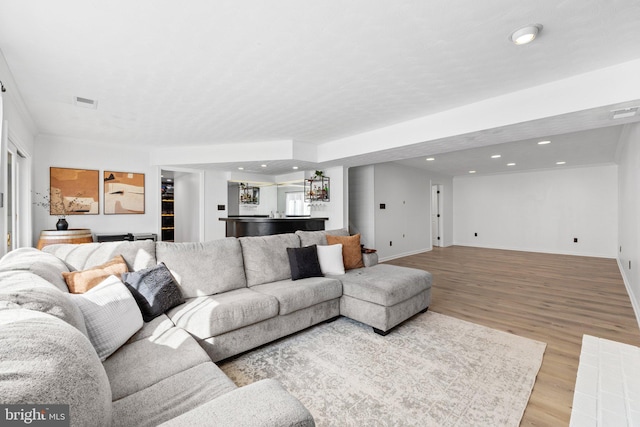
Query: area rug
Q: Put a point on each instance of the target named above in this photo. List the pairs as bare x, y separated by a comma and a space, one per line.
433, 370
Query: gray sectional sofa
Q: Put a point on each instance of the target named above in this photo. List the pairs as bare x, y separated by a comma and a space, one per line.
238, 295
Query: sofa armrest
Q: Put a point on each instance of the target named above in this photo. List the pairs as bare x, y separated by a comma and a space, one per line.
370, 259
264, 403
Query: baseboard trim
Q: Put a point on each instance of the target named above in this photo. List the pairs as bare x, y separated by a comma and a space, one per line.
542, 251
419, 251
627, 285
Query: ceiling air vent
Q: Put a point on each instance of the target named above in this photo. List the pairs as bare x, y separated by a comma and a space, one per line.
85, 102
623, 113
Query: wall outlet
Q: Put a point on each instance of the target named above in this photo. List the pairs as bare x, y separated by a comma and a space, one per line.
475, 234
390, 243
575, 240
221, 207
383, 206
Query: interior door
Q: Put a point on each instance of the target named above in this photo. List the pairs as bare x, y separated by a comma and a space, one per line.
12, 201
435, 215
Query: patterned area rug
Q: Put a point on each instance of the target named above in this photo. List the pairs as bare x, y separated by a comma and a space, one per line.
433, 370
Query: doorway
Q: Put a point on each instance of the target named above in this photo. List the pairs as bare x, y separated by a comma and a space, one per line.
436, 215
182, 205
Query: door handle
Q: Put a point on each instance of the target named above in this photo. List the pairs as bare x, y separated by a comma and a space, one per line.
8, 240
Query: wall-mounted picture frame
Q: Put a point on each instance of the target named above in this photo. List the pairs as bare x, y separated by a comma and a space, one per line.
74, 191
123, 193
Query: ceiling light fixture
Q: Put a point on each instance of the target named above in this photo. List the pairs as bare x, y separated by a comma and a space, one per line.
472, 171
430, 159
295, 167
544, 142
525, 34
561, 163
511, 164
263, 166
240, 168
624, 113
496, 156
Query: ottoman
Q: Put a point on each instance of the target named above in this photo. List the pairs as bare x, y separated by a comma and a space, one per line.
382, 296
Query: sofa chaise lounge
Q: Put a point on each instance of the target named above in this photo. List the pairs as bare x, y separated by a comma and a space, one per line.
238, 294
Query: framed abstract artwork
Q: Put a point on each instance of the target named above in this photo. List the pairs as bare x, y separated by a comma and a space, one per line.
123, 193
74, 191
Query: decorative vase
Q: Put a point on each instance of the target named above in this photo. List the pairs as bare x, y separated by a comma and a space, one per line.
62, 224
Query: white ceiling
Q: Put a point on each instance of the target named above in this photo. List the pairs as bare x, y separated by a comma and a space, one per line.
217, 72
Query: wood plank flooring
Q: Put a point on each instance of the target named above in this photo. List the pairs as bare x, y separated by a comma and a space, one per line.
550, 298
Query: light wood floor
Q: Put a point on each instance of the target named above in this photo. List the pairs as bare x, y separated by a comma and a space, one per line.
550, 298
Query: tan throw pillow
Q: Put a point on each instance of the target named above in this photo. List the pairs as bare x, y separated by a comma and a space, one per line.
351, 252
80, 282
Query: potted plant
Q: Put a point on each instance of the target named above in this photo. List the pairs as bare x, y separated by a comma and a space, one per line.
56, 206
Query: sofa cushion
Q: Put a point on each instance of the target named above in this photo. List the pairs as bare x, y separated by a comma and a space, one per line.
111, 315
263, 403
296, 295
351, 250
22, 289
145, 362
80, 282
206, 317
308, 238
385, 284
330, 259
138, 255
265, 257
172, 396
304, 262
204, 268
42, 264
154, 289
45, 360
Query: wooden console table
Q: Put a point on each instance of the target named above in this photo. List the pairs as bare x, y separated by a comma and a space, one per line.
73, 235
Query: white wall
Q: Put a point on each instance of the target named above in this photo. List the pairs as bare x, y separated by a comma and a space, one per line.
361, 204
540, 211
629, 212
334, 209
406, 220
215, 193
15, 125
70, 153
187, 206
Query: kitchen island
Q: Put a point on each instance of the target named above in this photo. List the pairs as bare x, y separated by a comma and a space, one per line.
242, 226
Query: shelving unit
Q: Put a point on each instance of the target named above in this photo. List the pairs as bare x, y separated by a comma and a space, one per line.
317, 188
249, 195
167, 215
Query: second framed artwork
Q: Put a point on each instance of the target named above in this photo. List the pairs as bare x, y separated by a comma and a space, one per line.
123, 193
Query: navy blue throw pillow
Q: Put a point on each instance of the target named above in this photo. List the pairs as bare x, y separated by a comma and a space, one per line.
154, 289
304, 262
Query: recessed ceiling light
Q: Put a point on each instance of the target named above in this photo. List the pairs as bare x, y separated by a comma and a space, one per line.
472, 171
240, 168
496, 156
525, 34
263, 166
430, 159
511, 164
561, 163
544, 142
295, 167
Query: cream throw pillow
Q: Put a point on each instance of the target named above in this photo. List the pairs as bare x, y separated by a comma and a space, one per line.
330, 258
111, 315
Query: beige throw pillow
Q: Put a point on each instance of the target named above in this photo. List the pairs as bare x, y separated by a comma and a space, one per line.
80, 282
